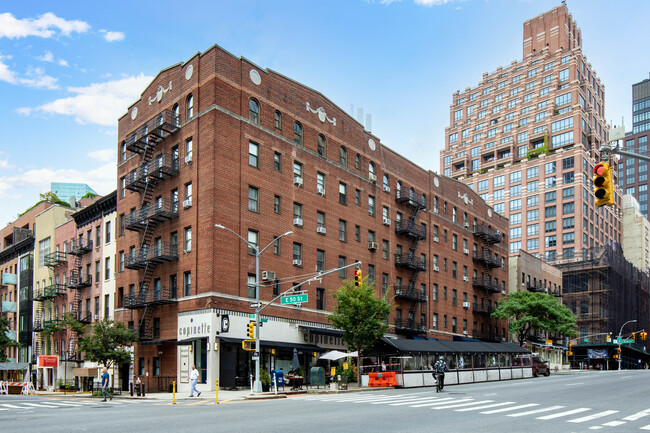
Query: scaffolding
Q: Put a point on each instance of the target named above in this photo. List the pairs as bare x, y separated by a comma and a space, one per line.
604, 291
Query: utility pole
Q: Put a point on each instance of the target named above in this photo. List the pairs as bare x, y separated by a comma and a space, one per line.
619, 341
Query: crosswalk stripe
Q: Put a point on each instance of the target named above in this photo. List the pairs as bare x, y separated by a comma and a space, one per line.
506, 409
614, 423
566, 413
389, 398
530, 412
419, 400
430, 403
453, 405
594, 416
12, 406
62, 404
645, 427
487, 406
407, 399
443, 403
40, 405
637, 415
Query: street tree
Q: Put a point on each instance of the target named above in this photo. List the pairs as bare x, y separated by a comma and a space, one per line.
5, 341
527, 311
361, 314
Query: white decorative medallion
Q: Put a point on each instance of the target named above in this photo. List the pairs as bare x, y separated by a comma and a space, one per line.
371, 144
159, 93
188, 72
436, 182
134, 113
322, 116
255, 77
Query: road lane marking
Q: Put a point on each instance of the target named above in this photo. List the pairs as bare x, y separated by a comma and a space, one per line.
487, 406
594, 416
637, 415
435, 402
531, 412
419, 400
614, 423
12, 406
62, 404
566, 413
391, 401
506, 409
645, 427
40, 405
576, 383
453, 405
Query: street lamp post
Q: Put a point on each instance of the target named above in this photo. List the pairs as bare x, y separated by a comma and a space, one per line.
619, 341
257, 384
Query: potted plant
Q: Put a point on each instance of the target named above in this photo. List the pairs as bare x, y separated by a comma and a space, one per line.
265, 379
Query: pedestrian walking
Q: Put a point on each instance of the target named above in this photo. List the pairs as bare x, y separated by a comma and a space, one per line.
105, 381
194, 377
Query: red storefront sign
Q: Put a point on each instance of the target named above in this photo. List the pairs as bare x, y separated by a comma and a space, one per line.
48, 360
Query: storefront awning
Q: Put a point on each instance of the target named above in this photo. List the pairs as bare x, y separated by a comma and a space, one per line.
404, 346
278, 345
157, 342
85, 371
13, 366
189, 341
322, 331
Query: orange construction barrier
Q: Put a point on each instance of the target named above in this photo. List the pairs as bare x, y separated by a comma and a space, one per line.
384, 378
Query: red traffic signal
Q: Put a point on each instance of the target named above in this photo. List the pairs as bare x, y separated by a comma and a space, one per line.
357, 277
603, 184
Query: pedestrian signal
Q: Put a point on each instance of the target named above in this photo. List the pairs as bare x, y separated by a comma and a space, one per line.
248, 345
357, 277
603, 184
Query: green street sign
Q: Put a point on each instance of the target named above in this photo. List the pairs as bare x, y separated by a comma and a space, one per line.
586, 340
621, 341
293, 299
263, 319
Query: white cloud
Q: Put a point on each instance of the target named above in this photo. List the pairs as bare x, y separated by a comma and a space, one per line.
103, 155
62, 62
98, 103
36, 77
432, 2
112, 36
5, 73
45, 26
46, 57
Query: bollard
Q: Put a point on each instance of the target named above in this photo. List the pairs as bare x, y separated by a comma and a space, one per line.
275, 383
143, 389
131, 388
217, 397
174, 392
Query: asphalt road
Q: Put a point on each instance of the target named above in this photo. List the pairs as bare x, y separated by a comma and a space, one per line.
576, 402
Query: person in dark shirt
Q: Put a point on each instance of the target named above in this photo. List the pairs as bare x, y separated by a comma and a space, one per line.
105, 381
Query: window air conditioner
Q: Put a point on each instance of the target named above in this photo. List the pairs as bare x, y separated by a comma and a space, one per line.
96, 317
386, 221
386, 188
466, 225
372, 177
297, 262
466, 304
297, 180
465, 250
188, 158
268, 275
373, 245
436, 268
321, 230
321, 191
187, 203
436, 239
465, 332
297, 222
465, 279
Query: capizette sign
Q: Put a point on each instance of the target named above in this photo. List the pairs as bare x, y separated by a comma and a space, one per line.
194, 326
326, 341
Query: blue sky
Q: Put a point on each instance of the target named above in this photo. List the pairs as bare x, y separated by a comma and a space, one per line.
69, 69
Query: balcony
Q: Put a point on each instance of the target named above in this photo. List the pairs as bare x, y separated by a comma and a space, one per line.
535, 287
152, 214
54, 290
55, 259
410, 326
486, 259
410, 198
486, 284
153, 296
482, 309
154, 255
158, 169
39, 294
411, 229
78, 281
38, 325
8, 307
410, 293
79, 248
153, 131
84, 317
488, 234
410, 262
53, 323
485, 336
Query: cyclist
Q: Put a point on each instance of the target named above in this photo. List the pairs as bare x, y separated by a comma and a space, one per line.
439, 369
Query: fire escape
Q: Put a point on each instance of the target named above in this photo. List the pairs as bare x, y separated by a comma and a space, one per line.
77, 282
415, 232
488, 261
54, 289
153, 169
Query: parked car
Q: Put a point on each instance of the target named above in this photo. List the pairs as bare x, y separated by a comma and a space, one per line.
534, 361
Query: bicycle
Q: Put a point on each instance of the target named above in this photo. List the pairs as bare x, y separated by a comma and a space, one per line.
436, 377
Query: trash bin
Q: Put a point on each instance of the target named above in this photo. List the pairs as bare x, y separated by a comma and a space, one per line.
137, 389
317, 376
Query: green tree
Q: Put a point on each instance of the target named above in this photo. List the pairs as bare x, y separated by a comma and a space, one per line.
5, 342
361, 314
527, 311
53, 198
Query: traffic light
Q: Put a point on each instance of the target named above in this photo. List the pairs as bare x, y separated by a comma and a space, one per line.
603, 184
357, 277
250, 332
644, 335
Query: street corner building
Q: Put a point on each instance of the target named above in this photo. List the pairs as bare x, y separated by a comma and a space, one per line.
218, 140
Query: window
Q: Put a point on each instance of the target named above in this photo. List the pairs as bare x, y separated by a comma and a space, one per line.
254, 111
371, 206
98, 236
297, 252
277, 161
549, 211
120, 262
499, 181
549, 226
276, 204
357, 197
343, 156
343, 193
357, 233
297, 133
322, 151
320, 299
320, 260
107, 268
278, 120
107, 234
187, 239
253, 195
498, 194
386, 183
189, 106
343, 231
568, 208
98, 272
297, 169
253, 154
342, 273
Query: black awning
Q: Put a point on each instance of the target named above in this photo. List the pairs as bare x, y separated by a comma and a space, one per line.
402, 346
157, 342
189, 341
278, 345
322, 331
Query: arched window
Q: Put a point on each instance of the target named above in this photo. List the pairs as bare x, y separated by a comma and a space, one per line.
297, 133
423, 200
398, 188
189, 106
321, 146
371, 169
176, 115
343, 156
411, 194
254, 111
278, 120
357, 161
123, 151
386, 183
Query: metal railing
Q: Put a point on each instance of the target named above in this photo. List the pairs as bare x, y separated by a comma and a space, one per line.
152, 131
152, 296
410, 261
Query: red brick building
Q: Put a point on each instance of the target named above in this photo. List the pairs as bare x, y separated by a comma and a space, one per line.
218, 140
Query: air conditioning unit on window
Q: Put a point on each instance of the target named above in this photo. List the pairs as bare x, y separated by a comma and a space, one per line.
297, 180
373, 245
465, 279
321, 230
96, 317
465, 332
466, 305
436, 268
435, 239
268, 276
465, 250
187, 203
372, 177
188, 158
386, 221
297, 262
297, 222
386, 188
466, 225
